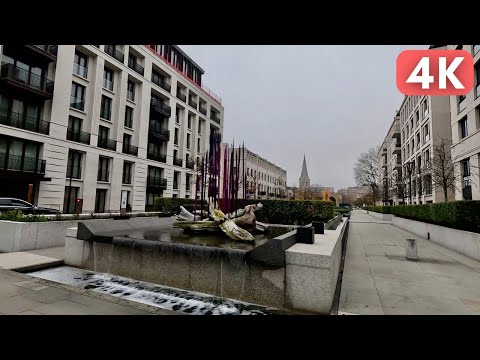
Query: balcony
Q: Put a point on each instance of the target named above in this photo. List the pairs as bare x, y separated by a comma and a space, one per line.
203, 110
192, 103
39, 55
396, 134
177, 162
129, 149
118, 55
78, 136
160, 108
157, 157
181, 96
157, 182
160, 81
189, 164
22, 121
271, 194
103, 175
214, 117
26, 81
262, 193
135, 66
22, 164
107, 84
80, 70
157, 131
107, 144
77, 103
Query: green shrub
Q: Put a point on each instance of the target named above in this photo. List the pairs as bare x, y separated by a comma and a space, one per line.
17, 215
380, 209
274, 211
341, 210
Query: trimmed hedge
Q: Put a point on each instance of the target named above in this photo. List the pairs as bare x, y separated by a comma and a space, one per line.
380, 209
461, 215
274, 211
341, 210
17, 215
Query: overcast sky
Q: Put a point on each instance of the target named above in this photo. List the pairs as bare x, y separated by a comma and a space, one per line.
328, 102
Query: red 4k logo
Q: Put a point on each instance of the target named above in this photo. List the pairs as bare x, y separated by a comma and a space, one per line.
434, 72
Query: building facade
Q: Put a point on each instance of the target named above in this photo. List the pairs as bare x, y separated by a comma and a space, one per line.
350, 194
465, 129
390, 166
79, 124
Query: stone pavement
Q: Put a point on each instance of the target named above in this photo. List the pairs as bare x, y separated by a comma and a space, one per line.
377, 278
21, 294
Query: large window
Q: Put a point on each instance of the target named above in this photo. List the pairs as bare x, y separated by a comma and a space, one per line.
100, 200
463, 127
103, 168
69, 200
131, 90
77, 96
462, 103
175, 138
128, 117
74, 165
80, 64
188, 141
108, 79
189, 123
106, 108
127, 172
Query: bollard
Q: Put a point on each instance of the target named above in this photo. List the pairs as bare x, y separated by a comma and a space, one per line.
305, 235
411, 250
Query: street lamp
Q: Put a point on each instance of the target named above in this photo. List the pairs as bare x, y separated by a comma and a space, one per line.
410, 165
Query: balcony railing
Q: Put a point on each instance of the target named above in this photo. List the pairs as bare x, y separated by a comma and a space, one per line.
118, 55
161, 82
22, 121
177, 162
107, 84
50, 49
262, 193
215, 118
181, 96
160, 107
103, 175
22, 164
76, 103
192, 103
107, 144
462, 105
27, 79
157, 157
132, 64
78, 136
127, 178
130, 149
203, 110
157, 130
105, 114
80, 70
189, 164
156, 181
271, 194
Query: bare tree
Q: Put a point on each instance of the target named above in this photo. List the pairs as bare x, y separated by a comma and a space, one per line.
366, 171
444, 168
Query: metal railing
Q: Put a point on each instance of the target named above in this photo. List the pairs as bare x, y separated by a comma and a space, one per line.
78, 136
192, 103
76, 103
203, 110
132, 64
112, 51
157, 130
157, 181
80, 70
22, 164
181, 96
51, 49
157, 157
160, 81
130, 149
215, 118
103, 175
189, 164
177, 162
22, 121
160, 107
107, 84
107, 144
26, 77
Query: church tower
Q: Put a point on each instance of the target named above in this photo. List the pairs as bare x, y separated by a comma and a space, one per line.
304, 181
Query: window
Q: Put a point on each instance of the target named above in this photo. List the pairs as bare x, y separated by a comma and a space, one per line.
476, 49
77, 96
427, 158
70, 196
189, 124
80, 65
175, 155
477, 75
128, 117
417, 118
131, 90
418, 140
426, 134
462, 104
465, 164
188, 141
175, 180
74, 165
198, 146
127, 172
127, 141
177, 115
463, 127
187, 182
175, 138
108, 79
103, 133
106, 108
103, 167
100, 199
199, 128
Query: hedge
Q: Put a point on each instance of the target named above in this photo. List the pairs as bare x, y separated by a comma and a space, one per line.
17, 215
462, 215
274, 211
380, 209
341, 210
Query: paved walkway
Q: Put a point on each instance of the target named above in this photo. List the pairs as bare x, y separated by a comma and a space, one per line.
21, 294
377, 279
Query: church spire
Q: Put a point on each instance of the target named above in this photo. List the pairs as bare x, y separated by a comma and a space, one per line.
304, 168
304, 181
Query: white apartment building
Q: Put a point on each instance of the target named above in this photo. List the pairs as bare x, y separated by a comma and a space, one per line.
423, 121
465, 129
86, 122
264, 179
390, 166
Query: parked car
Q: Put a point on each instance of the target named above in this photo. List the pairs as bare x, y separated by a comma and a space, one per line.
7, 204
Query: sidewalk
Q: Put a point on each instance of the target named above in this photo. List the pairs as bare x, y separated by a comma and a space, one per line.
377, 278
21, 294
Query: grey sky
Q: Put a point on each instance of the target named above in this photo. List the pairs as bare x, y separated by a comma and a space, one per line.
329, 102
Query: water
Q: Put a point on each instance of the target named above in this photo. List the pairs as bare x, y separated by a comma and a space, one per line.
187, 302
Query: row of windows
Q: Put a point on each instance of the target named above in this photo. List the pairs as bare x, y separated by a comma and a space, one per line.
265, 177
